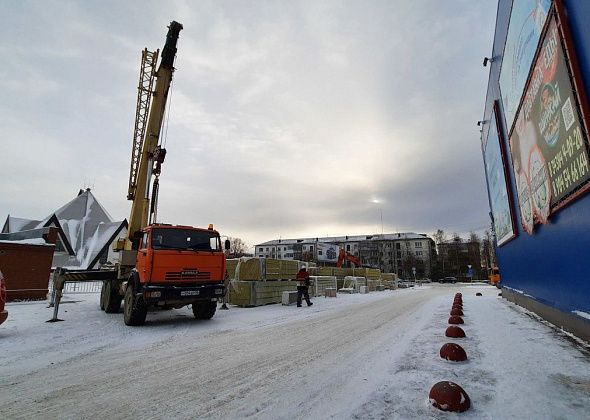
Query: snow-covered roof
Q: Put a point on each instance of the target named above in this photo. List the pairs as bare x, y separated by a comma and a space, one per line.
86, 228
17, 224
350, 238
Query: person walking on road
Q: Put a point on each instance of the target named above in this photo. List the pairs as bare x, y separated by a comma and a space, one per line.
302, 287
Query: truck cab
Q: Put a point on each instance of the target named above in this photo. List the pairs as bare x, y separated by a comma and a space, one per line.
176, 266
179, 255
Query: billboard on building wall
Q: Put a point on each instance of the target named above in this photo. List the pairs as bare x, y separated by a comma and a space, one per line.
548, 143
495, 166
327, 252
527, 18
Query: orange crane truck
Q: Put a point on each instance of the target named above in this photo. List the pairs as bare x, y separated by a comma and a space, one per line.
160, 265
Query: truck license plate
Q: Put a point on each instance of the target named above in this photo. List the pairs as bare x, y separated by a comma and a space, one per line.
189, 293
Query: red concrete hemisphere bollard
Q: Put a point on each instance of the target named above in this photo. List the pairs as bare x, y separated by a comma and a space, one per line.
454, 332
448, 396
453, 352
455, 319
456, 311
457, 305
458, 294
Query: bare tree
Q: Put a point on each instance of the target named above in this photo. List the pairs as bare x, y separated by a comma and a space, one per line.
439, 236
488, 250
237, 247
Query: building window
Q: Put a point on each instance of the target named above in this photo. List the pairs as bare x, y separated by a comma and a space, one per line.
348, 248
266, 249
311, 248
398, 246
284, 248
418, 253
260, 249
418, 244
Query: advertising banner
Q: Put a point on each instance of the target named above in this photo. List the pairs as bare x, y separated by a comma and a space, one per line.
527, 19
548, 142
328, 252
497, 186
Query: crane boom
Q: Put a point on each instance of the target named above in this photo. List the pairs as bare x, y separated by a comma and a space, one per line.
147, 73
151, 155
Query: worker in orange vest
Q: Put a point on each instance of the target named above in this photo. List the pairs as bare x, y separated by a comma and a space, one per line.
302, 287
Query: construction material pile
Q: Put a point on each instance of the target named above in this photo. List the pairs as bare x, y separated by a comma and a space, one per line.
261, 281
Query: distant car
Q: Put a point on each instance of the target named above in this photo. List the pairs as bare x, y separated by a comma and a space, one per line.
403, 284
3, 312
448, 280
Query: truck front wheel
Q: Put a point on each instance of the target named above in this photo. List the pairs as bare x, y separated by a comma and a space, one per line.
134, 308
204, 310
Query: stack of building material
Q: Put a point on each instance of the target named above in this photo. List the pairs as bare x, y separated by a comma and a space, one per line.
262, 269
257, 293
281, 269
372, 285
369, 273
250, 269
231, 267
352, 284
340, 273
320, 283
389, 280
325, 271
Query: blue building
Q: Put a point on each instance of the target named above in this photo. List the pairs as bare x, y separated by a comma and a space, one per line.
535, 133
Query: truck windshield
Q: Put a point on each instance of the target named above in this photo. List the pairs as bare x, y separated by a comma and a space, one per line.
186, 239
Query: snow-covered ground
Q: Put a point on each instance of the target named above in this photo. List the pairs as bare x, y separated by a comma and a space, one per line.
355, 356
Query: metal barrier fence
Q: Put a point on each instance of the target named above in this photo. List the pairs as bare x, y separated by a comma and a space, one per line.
79, 287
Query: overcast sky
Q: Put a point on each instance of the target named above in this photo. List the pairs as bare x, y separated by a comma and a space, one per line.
287, 118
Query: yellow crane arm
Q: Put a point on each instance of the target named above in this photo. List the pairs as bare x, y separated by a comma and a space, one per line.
151, 155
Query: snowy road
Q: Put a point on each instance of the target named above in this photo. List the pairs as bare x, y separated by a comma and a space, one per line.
356, 356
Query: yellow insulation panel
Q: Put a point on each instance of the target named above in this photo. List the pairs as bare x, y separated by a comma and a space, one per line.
248, 293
